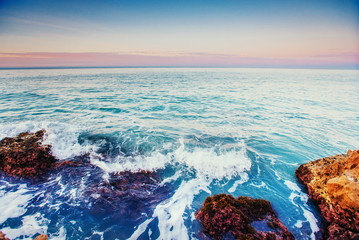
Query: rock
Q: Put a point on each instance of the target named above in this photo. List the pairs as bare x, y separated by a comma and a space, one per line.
333, 183
67, 163
242, 218
126, 195
2, 236
41, 237
25, 156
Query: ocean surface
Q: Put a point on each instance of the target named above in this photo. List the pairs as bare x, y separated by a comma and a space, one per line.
200, 131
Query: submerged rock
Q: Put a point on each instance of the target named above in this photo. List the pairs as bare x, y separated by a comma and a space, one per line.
244, 218
25, 156
333, 183
127, 195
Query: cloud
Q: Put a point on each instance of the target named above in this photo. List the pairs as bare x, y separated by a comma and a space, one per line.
95, 59
354, 55
57, 24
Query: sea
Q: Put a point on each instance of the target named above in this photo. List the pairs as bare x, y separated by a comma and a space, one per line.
188, 133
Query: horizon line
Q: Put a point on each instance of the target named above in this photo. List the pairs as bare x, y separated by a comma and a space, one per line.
198, 66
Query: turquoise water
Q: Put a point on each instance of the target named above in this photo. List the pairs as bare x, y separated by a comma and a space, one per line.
203, 132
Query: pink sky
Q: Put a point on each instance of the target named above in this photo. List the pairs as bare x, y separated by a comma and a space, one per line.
190, 59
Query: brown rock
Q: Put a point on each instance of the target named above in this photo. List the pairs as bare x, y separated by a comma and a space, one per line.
41, 237
2, 236
25, 156
333, 183
223, 215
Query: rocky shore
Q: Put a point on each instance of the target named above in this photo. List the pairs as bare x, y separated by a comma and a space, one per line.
333, 183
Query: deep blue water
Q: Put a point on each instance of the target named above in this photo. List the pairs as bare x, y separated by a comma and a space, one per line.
202, 132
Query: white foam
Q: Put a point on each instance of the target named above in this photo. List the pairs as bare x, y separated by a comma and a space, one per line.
13, 204
296, 192
208, 165
292, 186
203, 161
312, 222
31, 225
140, 229
152, 162
207, 162
244, 178
170, 212
64, 140
299, 224
171, 178
60, 235
62, 136
262, 185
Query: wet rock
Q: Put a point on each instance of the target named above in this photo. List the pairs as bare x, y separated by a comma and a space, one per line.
67, 163
41, 237
223, 216
25, 156
333, 183
2, 236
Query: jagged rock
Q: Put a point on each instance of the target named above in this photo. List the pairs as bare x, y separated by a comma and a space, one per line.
333, 183
25, 156
2, 236
242, 218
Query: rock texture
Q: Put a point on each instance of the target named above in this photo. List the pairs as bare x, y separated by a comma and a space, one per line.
41, 237
25, 156
2, 236
223, 216
333, 183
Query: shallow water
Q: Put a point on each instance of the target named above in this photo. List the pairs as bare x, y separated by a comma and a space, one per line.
203, 132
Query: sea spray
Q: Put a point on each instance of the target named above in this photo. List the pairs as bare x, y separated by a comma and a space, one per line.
207, 166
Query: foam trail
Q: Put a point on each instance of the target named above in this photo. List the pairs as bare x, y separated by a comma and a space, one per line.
140, 229
170, 213
244, 178
296, 192
152, 162
31, 225
312, 221
60, 235
207, 165
13, 204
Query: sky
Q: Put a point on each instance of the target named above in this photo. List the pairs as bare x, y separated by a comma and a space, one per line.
190, 33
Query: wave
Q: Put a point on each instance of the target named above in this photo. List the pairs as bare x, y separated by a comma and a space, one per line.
195, 166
